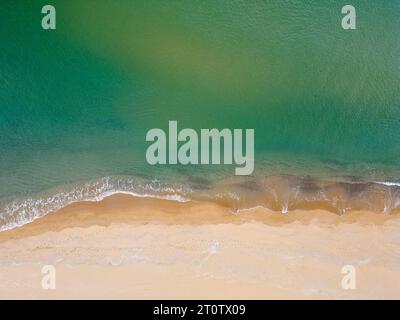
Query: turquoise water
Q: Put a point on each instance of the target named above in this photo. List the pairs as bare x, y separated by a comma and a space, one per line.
76, 102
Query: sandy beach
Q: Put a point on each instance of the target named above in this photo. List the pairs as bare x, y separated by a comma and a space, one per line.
138, 248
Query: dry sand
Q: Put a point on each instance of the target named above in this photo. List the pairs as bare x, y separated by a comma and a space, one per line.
135, 248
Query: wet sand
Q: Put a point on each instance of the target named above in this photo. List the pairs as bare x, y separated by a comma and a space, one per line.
138, 248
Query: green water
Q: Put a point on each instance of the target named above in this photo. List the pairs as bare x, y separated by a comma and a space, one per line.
76, 103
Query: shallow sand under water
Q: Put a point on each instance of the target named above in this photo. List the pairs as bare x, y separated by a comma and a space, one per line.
126, 247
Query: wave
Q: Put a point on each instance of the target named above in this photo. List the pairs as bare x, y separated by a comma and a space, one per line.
278, 193
19, 212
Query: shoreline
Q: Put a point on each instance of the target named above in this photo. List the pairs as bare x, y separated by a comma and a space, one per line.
284, 194
136, 248
130, 209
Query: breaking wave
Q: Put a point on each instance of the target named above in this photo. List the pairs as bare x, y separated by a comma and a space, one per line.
277, 193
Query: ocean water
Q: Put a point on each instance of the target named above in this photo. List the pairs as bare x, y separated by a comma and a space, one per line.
76, 102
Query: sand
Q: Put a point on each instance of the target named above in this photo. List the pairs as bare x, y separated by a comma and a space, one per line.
138, 248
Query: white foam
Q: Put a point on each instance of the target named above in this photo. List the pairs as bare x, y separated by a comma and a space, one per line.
388, 183
21, 212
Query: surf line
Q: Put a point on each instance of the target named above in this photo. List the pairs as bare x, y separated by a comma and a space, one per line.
183, 147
